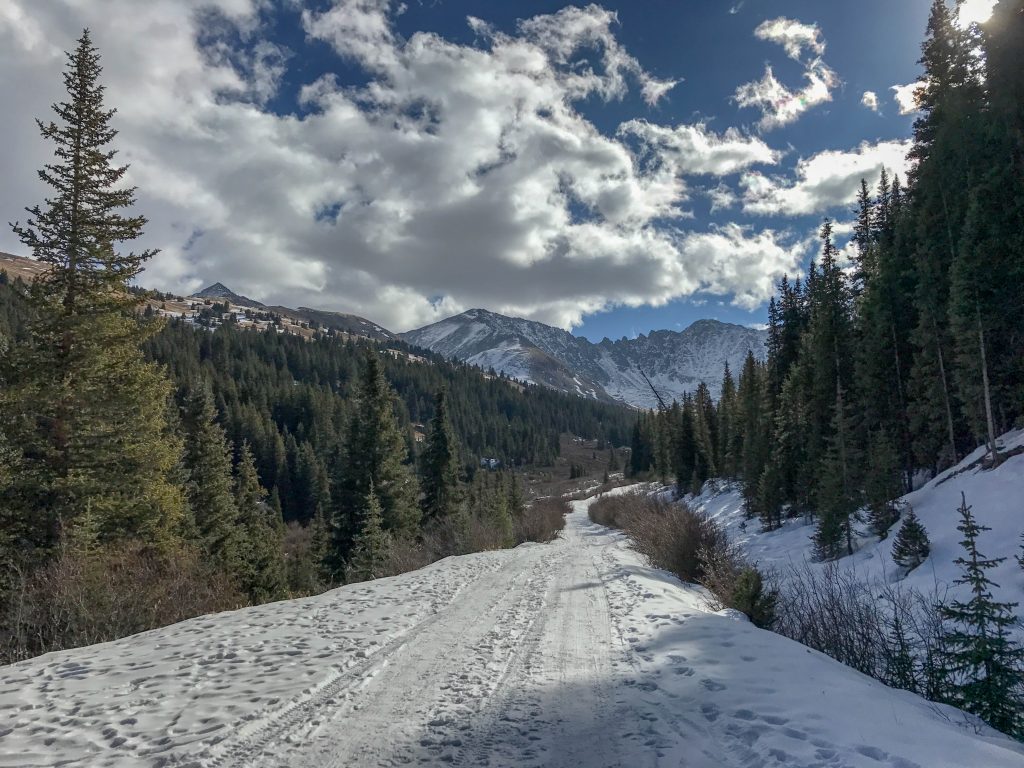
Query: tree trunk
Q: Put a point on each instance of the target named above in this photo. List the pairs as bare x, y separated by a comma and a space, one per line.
945, 392
908, 470
840, 423
993, 453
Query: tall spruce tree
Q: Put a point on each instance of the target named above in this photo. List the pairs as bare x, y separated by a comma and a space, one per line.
439, 465
373, 456
260, 531
209, 486
371, 545
985, 665
87, 412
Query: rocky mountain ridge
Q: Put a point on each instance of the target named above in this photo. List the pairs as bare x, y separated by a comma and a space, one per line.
675, 362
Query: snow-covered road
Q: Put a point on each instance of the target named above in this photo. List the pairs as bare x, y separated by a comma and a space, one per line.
566, 654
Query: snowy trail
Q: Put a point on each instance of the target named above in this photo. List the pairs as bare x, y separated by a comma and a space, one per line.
567, 654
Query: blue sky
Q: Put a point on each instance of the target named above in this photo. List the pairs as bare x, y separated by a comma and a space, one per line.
408, 161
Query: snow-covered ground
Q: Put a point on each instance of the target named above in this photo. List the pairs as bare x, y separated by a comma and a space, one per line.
997, 501
572, 653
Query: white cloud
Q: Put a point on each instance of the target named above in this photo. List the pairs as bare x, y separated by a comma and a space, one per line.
870, 100
459, 171
722, 197
823, 181
905, 96
779, 104
733, 255
696, 149
793, 36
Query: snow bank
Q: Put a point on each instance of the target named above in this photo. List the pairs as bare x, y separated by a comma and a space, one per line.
997, 499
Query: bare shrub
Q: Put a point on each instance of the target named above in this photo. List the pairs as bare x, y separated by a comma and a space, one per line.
883, 630
669, 534
736, 583
79, 598
541, 520
679, 539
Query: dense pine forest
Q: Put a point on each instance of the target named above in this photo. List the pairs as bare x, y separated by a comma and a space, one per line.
150, 470
884, 369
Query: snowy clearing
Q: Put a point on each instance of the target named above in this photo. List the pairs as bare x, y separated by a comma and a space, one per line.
567, 654
994, 495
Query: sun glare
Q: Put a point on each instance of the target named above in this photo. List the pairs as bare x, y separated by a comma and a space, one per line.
975, 11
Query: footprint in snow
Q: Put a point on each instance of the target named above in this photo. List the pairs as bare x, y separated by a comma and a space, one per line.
712, 685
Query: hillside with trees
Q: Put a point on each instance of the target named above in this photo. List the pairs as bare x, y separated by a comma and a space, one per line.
151, 469
891, 369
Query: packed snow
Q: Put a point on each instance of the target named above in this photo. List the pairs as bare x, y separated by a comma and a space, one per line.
572, 653
995, 497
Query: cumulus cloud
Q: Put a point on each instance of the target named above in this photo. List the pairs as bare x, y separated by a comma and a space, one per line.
779, 104
722, 197
793, 36
733, 255
906, 96
458, 175
823, 181
696, 149
870, 100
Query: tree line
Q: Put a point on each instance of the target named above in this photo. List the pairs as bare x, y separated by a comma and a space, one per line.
897, 363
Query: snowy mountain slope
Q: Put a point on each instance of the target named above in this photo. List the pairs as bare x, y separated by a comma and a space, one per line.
339, 321
567, 654
676, 362
994, 495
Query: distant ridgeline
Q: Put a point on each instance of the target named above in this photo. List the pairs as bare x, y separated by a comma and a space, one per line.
289, 398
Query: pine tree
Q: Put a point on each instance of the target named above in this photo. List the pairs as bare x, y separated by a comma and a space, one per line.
373, 456
727, 449
87, 412
911, 546
209, 486
371, 545
260, 530
439, 473
985, 664
516, 505
753, 427
881, 484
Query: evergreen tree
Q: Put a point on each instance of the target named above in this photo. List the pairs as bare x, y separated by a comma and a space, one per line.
727, 447
87, 413
261, 566
209, 484
439, 473
911, 546
753, 426
881, 484
985, 664
371, 545
373, 456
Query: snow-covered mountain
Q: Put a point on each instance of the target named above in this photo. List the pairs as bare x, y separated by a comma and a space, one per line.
675, 361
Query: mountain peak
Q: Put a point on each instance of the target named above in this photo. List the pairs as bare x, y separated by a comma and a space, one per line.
221, 291
676, 362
